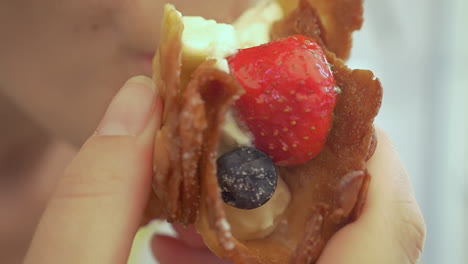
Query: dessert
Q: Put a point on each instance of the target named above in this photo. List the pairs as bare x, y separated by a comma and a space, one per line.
265, 132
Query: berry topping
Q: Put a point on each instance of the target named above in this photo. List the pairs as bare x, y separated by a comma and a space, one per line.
247, 178
289, 97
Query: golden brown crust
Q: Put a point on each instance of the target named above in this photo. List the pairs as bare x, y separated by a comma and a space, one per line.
309, 248
167, 77
333, 22
304, 19
219, 91
178, 143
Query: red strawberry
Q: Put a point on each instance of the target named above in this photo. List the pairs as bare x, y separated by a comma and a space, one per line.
289, 97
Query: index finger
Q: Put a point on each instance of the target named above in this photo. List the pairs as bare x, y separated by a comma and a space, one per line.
98, 203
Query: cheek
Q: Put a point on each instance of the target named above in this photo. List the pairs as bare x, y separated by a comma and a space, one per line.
21, 205
138, 23
62, 64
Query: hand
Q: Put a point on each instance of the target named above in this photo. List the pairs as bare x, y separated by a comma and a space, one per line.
391, 228
97, 205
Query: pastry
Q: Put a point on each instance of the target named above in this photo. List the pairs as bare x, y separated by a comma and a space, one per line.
267, 160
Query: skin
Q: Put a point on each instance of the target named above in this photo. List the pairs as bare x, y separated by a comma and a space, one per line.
62, 63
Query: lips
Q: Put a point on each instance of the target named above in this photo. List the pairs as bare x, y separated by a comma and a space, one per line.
145, 64
142, 64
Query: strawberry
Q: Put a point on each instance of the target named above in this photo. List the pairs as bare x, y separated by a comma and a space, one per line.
289, 98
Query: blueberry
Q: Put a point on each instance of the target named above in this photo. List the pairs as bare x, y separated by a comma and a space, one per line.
247, 177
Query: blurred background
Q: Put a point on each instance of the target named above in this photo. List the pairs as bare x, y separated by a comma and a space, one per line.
419, 51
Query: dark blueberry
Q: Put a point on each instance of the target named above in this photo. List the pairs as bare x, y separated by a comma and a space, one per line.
247, 177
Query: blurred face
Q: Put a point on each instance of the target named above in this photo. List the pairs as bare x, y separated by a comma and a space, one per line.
62, 61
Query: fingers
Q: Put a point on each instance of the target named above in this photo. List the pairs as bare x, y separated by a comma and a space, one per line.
97, 205
169, 250
391, 228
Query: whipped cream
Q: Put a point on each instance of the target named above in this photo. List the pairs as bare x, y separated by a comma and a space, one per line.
206, 39
260, 222
232, 135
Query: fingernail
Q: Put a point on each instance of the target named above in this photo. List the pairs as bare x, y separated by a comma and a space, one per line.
129, 111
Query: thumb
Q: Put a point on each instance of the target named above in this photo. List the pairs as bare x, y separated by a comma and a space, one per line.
95, 211
391, 228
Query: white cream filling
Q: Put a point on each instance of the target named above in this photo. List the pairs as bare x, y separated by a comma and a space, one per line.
232, 135
206, 39
260, 222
